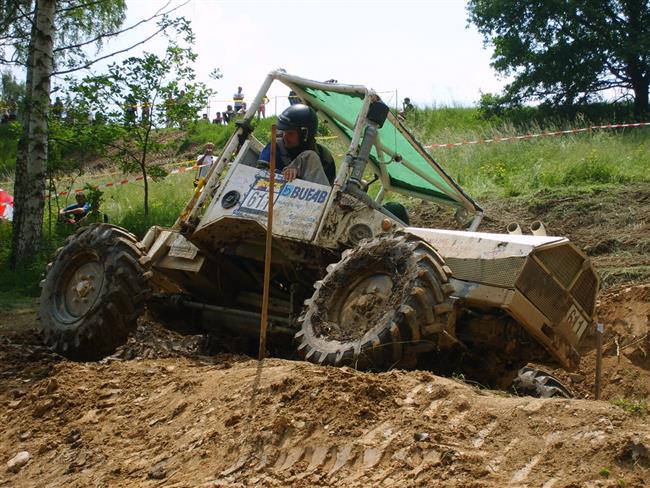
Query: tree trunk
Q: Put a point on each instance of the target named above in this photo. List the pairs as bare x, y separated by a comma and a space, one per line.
143, 167
641, 109
29, 190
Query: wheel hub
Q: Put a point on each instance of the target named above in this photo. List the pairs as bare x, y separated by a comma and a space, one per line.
82, 288
365, 304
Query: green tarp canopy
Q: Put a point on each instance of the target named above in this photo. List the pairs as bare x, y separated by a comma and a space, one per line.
402, 163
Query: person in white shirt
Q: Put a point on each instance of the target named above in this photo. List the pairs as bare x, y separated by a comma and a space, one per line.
205, 161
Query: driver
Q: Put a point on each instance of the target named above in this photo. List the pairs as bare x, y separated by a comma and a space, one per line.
297, 153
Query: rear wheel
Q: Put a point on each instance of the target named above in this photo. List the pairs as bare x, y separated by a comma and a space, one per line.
540, 384
374, 306
93, 292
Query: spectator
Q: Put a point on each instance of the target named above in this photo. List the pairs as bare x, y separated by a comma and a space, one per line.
205, 118
147, 108
293, 98
73, 213
228, 115
205, 161
238, 99
261, 111
57, 109
130, 113
217, 119
407, 107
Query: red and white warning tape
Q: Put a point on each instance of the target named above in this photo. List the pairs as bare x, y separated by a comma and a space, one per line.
192, 167
541, 134
182, 169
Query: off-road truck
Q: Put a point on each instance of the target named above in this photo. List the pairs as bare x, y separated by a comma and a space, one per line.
351, 283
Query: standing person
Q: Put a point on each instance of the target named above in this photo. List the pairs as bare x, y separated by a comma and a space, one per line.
238, 99
293, 98
217, 119
205, 161
147, 108
228, 114
298, 154
130, 114
57, 109
261, 111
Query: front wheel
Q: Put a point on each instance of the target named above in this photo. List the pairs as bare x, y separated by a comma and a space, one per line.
93, 292
373, 307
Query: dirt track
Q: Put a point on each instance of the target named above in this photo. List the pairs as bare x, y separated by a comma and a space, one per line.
185, 421
189, 420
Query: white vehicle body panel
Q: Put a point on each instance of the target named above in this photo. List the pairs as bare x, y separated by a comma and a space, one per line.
481, 245
297, 208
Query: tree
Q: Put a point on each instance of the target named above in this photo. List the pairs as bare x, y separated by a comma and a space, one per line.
568, 51
139, 95
31, 159
12, 91
40, 35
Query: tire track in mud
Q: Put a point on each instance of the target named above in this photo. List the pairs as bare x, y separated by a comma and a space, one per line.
382, 452
188, 422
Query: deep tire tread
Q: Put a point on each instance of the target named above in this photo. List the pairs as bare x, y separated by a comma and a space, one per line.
392, 341
106, 325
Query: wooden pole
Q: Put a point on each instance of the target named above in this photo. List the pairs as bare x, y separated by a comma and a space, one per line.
599, 357
269, 241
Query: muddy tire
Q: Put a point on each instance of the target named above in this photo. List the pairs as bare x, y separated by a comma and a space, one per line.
540, 384
370, 310
93, 292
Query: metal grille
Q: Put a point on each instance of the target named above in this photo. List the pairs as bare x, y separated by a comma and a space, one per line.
544, 292
497, 272
562, 261
584, 290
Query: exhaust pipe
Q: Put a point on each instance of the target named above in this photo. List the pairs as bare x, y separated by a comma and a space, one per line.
514, 228
537, 228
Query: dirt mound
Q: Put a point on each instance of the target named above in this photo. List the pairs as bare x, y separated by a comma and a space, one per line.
192, 419
166, 411
182, 422
625, 313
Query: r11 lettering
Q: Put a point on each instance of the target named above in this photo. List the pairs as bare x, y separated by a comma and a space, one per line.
576, 321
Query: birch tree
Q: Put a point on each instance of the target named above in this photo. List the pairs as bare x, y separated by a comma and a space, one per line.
50, 37
29, 187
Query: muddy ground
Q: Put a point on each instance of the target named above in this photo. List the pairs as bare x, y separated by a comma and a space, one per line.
165, 411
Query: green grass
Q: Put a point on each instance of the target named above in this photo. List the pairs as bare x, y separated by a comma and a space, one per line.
17, 288
632, 406
9, 134
523, 167
558, 166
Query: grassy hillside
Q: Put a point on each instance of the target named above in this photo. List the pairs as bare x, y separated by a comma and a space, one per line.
530, 169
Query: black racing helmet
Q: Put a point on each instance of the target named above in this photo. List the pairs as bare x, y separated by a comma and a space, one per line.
302, 118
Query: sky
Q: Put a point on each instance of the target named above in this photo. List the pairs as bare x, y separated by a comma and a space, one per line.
422, 49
